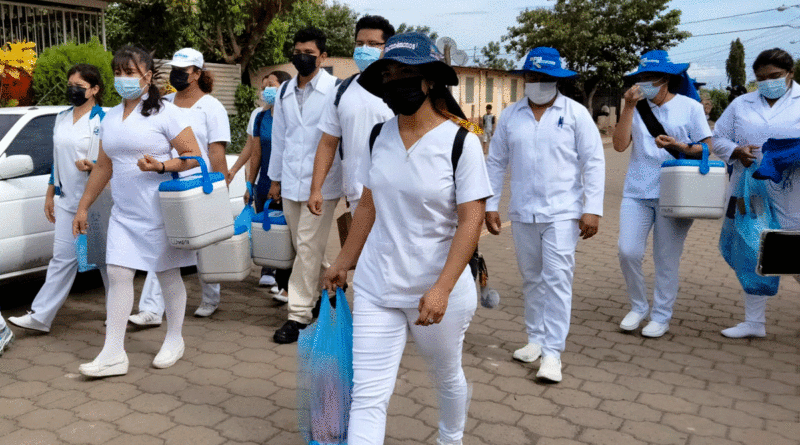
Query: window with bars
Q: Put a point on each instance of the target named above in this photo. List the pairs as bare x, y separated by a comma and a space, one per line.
49, 25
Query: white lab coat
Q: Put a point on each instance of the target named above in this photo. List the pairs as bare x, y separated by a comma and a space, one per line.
295, 137
749, 120
557, 164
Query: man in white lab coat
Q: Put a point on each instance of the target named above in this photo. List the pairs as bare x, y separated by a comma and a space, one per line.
557, 185
295, 135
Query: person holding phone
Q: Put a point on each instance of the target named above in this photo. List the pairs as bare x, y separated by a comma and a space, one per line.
683, 120
773, 111
415, 229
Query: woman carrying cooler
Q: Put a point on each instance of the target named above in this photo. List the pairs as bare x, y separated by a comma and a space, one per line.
685, 125
209, 122
76, 142
740, 132
418, 223
137, 137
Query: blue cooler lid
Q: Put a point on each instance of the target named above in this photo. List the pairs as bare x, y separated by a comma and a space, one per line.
189, 182
690, 163
273, 216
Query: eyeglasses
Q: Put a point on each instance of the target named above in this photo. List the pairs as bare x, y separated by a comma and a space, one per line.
370, 43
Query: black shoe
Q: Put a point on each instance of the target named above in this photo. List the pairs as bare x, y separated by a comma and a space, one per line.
288, 333
315, 311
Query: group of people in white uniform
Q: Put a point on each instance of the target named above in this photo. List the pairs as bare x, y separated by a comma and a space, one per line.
396, 144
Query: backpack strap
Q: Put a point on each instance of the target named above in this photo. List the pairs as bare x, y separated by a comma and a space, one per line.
376, 130
343, 85
654, 127
283, 88
458, 148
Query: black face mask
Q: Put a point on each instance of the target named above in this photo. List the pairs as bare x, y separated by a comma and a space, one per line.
404, 96
76, 95
305, 63
179, 79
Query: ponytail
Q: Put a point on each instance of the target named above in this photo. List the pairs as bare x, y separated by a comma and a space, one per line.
206, 80
446, 106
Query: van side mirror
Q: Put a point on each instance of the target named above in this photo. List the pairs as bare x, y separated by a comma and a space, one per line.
15, 166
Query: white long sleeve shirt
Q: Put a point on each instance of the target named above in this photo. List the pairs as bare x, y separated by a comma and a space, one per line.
557, 164
295, 136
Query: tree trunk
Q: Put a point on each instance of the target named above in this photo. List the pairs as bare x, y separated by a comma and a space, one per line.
590, 98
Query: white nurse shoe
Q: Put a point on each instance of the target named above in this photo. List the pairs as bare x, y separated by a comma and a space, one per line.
116, 366
550, 369
166, 358
655, 329
631, 321
529, 354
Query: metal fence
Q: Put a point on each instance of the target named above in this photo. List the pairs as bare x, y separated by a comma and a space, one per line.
49, 25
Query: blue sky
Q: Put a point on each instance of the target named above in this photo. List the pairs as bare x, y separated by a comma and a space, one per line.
473, 23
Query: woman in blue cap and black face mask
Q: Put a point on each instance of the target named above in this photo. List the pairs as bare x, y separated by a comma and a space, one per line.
685, 125
418, 223
771, 112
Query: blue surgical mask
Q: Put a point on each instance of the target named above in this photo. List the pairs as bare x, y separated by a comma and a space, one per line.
773, 88
365, 55
649, 90
128, 87
269, 94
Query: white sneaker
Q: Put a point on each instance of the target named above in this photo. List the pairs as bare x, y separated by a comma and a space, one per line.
205, 310
550, 369
744, 329
267, 280
28, 322
631, 321
6, 338
166, 358
529, 353
655, 329
279, 294
145, 318
116, 366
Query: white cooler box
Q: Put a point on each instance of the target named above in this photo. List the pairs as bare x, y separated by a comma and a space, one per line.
196, 209
227, 260
272, 247
693, 188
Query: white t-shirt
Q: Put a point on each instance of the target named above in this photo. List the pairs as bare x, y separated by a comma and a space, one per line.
252, 122
415, 198
352, 121
683, 119
209, 121
72, 144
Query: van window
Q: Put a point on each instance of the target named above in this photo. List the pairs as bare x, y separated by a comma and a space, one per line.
36, 141
6, 122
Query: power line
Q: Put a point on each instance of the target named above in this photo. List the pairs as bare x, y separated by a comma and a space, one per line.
780, 8
742, 30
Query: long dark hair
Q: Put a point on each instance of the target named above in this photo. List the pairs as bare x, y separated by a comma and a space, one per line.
206, 80
122, 60
92, 76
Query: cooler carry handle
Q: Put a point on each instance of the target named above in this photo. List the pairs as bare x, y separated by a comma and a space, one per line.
208, 186
704, 167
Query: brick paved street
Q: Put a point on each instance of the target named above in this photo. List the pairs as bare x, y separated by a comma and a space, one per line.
234, 385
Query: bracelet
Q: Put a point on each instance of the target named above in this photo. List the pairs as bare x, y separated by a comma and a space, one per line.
163, 168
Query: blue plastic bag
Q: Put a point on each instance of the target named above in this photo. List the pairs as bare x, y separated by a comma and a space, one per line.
82, 252
749, 213
243, 222
325, 374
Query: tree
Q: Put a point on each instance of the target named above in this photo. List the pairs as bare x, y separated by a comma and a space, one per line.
159, 26
491, 58
599, 39
797, 68
420, 29
734, 66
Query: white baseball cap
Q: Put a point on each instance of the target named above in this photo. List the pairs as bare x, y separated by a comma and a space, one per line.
187, 57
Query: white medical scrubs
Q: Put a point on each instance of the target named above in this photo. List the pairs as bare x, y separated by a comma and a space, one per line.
416, 194
557, 175
683, 119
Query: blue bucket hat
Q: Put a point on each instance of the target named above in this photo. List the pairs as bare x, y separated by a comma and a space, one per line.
657, 61
545, 60
410, 48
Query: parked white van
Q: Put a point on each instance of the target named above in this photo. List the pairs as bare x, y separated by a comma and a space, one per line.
26, 159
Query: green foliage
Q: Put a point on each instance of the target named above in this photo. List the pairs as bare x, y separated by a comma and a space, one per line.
797, 68
491, 58
719, 100
245, 102
600, 39
734, 66
159, 26
420, 29
50, 75
337, 20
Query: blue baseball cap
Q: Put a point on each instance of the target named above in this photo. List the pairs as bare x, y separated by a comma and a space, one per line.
545, 60
410, 48
657, 61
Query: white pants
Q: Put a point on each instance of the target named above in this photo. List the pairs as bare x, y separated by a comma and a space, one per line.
310, 238
379, 338
546, 259
60, 272
636, 218
152, 299
2, 322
